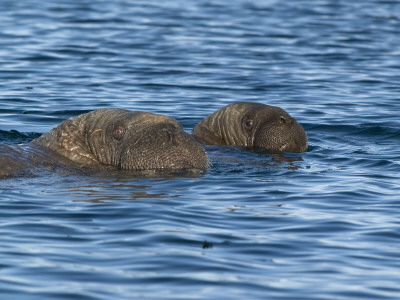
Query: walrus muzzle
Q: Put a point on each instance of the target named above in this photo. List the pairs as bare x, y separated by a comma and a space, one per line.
167, 146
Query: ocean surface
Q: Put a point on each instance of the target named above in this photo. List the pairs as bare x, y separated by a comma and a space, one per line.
324, 224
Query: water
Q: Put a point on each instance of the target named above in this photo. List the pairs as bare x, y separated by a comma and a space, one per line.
318, 225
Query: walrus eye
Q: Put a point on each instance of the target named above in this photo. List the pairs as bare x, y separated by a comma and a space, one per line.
118, 132
282, 120
249, 124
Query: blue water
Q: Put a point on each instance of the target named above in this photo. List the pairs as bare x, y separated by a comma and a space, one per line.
323, 224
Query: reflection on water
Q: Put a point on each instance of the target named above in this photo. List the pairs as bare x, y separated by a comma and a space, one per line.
233, 157
106, 191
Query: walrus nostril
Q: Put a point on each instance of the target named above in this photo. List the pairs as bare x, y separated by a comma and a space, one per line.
286, 120
170, 136
174, 138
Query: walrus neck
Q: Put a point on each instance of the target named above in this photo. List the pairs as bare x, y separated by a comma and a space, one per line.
229, 126
68, 140
92, 127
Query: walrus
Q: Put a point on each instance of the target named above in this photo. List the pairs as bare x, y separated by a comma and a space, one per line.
251, 124
119, 138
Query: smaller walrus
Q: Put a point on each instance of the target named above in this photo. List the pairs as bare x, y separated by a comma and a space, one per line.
127, 140
252, 125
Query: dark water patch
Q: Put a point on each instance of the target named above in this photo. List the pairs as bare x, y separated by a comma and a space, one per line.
41, 58
16, 137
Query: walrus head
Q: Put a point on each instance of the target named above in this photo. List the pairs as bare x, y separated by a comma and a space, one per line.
128, 140
252, 125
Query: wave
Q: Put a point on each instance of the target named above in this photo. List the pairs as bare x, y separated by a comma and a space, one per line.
16, 137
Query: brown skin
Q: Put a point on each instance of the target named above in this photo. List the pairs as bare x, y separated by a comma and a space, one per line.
117, 138
128, 140
252, 125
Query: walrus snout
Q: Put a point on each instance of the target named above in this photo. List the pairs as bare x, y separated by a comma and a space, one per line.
294, 146
286, 135
163, 146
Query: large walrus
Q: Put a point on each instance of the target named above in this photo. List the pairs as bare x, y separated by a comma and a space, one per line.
128, 140
252, 125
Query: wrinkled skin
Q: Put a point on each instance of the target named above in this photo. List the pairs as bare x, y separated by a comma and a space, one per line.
119, 138
252, 125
